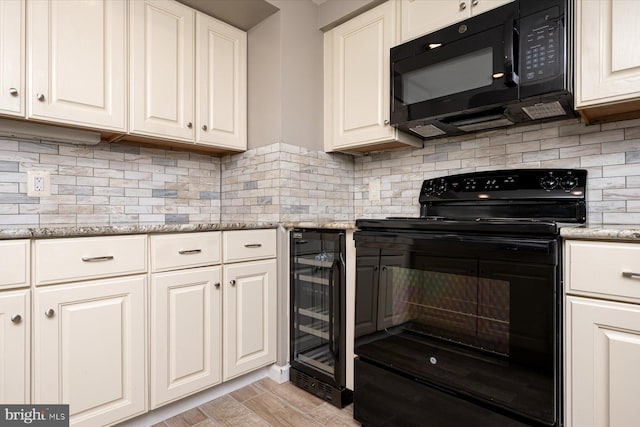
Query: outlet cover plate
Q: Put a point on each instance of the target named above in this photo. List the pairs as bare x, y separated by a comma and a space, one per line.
38, 183
374, 190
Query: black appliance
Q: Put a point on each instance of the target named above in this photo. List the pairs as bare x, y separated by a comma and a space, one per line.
317, 330
505, 66
459, 311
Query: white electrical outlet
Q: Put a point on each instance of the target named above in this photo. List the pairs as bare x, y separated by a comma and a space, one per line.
38, 183
374, 189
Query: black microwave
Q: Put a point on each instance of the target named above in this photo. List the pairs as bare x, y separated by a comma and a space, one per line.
506, 66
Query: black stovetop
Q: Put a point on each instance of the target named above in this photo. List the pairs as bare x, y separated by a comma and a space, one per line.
523, 201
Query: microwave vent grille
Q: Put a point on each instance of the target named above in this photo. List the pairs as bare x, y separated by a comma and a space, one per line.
427, 131
543, 111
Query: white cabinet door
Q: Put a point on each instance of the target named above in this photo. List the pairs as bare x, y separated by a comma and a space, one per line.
77, 62
357, 79
481, 6
12, 71
249, 323
607, 51
419, 17
162, 69
603, 374
221, 95
89, 348
15, 352
186, 323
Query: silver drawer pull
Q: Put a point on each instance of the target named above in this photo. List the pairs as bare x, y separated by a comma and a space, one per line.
50, 313
253, 245
16, 318
97, 258
190, 251
631, 275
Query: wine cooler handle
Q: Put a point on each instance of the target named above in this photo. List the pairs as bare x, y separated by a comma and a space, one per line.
332, 313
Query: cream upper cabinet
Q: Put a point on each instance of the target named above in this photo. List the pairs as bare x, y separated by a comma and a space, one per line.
607, 58
221, 76
162, 69
356, 83
419, 17
602, 343
77, 62
89, 348
15, 352
12, 54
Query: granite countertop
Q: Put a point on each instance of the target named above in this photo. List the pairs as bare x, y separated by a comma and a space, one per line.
27, 232
621, 232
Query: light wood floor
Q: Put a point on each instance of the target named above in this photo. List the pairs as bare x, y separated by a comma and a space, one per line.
265, 403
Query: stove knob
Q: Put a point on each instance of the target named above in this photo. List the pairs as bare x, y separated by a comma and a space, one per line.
549, 182
568, 182
441, 187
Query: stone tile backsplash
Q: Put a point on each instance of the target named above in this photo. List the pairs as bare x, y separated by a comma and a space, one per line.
107, 184
610, 153
114, 184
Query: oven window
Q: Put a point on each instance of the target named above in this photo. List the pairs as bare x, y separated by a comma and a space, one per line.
460, 74
453, 305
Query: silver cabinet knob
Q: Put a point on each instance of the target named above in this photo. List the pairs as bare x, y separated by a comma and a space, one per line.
16, 318
232, 282
474, 3
13, 91
204, 127
463, 6
50, 312
189, 125
386, 122
40, 97
217, 285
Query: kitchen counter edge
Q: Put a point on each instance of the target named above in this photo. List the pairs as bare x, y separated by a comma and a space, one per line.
615, 232
85, 231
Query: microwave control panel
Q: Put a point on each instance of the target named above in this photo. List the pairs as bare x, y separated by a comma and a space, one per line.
541, 45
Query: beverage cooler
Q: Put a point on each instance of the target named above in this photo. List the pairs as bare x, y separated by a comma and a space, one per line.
318, 312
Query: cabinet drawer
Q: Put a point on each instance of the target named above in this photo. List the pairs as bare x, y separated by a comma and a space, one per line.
14, 263
603, 268
65, 260
245, 245
175, 251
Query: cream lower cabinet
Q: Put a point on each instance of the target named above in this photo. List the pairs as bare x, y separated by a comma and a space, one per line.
602, 343
90, 326
604, 373
186, 315
89, 349
250, 301
186, 323
15, 353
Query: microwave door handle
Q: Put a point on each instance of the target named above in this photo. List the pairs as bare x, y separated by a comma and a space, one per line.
511, 78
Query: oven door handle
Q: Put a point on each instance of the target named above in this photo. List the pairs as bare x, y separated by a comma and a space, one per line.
332, 308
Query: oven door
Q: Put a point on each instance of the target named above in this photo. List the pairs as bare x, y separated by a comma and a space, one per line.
469, 67
476, 316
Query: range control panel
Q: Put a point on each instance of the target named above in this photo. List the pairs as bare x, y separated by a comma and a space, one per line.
509, 184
